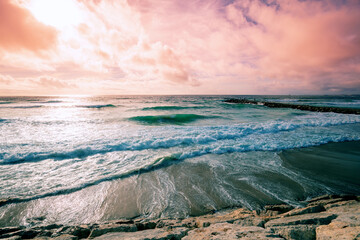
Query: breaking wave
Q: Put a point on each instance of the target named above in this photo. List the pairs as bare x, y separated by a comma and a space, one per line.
98, 106
177, 119
170, 108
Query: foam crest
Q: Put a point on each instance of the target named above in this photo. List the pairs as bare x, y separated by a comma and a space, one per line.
169, 137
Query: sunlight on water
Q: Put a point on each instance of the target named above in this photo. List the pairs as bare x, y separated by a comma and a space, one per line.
51, 146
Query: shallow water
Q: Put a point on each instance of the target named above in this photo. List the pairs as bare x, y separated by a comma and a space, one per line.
73, 160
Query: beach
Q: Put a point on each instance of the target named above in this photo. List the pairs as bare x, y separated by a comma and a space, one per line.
94, 161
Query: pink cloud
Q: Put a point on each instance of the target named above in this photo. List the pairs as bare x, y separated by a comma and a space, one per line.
20, 30
204, 47
6, 79
50, 82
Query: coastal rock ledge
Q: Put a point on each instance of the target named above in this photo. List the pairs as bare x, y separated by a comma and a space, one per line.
324, 217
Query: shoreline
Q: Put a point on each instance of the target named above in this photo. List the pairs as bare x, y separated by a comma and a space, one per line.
323, 217
340, 159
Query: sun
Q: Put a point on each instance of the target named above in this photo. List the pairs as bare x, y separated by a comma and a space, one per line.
57, 13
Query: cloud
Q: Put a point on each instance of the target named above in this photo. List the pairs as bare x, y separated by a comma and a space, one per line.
6, 79
303, 46
200, 46
52, 83
19, 30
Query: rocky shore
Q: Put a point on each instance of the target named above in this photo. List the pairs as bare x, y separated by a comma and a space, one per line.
295, 106
324, 217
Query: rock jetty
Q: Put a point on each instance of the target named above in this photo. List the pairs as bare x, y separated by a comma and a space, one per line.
295, 106
324, 217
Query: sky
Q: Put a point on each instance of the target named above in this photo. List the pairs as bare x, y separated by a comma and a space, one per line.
118, 47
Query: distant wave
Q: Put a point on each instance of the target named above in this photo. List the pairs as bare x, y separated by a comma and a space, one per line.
168, 119
5, 102
52, 101
23, 107
166, 108
98, 106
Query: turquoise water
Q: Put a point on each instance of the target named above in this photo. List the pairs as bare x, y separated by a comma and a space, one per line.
54, 146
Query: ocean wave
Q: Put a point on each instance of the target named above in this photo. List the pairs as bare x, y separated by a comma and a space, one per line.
177, 119
169, 137
169, 108
7, 102
24, 107
52, 101
97, 106
157, 163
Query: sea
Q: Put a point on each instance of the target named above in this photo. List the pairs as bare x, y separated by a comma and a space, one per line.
85, 159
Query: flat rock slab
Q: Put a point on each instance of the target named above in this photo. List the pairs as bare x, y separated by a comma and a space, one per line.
297, 232
151, 234
345, 207
337, 231
305, 210
229, 231
310, 218
107, 228
226, 216
66, 237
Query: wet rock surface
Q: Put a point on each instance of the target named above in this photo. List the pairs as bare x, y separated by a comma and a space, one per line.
324, 217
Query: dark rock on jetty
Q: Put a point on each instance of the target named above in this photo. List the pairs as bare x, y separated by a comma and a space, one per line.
295, 106
325, 217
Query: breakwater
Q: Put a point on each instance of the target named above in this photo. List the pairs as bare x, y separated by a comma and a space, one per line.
295, 106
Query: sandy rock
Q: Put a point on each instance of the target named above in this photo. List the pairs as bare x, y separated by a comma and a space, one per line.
298, 232
145, 225
111, 227
189, 222
305, 210
81, 231
66, 237
251, 221
51, 226
329, 201
170, 223
280, 208
310, 218
24, 234
325, 202
322, 197
325, 217
345, 226
151, 234
224, 216
230, 231
13, 238
122, 221
349, 207
341, 203
337, 231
